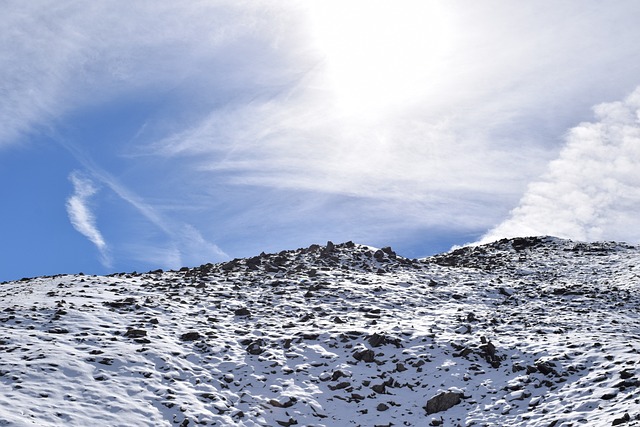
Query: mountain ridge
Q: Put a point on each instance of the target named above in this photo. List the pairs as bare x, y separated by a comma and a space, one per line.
528, 331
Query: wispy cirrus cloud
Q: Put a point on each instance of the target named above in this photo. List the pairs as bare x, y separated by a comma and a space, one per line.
81, 216
62, 56
259, 125
182, 244
458, 151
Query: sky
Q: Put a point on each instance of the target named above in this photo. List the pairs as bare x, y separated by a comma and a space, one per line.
161, 134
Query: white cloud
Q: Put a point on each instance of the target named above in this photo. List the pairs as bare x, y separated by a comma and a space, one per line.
81, 216
592, 190
61, 55
185, 244
484, 121
445, 130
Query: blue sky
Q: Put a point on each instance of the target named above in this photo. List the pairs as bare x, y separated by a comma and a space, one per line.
161, 134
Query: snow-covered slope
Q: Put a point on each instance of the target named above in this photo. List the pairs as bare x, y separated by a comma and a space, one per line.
532, 331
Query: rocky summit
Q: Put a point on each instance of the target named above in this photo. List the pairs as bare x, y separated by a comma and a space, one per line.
532, 331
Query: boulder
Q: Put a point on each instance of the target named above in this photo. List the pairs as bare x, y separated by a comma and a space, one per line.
443, 401
190, 336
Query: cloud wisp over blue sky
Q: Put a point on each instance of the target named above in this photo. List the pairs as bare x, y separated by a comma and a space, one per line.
81, 216
160, 134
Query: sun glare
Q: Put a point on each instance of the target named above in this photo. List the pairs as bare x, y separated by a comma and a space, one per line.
379, 54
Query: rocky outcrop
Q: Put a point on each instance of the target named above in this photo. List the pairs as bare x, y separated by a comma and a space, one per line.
443, 401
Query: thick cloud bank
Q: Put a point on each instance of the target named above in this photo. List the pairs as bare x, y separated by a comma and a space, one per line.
592, 190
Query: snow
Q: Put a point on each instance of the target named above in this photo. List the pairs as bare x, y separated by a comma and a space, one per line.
531, 331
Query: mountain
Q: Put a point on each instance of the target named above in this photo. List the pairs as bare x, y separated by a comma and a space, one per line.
532, 331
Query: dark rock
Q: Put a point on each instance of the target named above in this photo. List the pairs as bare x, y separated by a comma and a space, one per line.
329, 249
289, 403
357, 397
522, 243
242, 312
488, 352
626, 374
379, 388
338, 374
504, 292
121, 303
255, 347
387, 250
288, 423
517, 368
190, 336
366, 355
135, 333
58, 331
546, 368
339, 386
376, 340
443, 401
622, 420
382, 407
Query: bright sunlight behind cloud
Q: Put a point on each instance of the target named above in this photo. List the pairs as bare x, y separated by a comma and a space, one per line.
379, 54
223, 129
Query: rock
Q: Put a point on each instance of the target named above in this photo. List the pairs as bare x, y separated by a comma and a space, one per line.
488, 352
329, 248
622, 420
288, 423
382, 407
522, 243
242, 312
190, 336
366, 355
379, 255
58, 331
357, 397
340, 386
338, 374
289, 403
376, 340
443, 401
135, 333
626, 374
546, 368
387, 250
379, 388
255, 347
505, 292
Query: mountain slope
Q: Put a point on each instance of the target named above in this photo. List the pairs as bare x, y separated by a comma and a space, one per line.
531, 331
